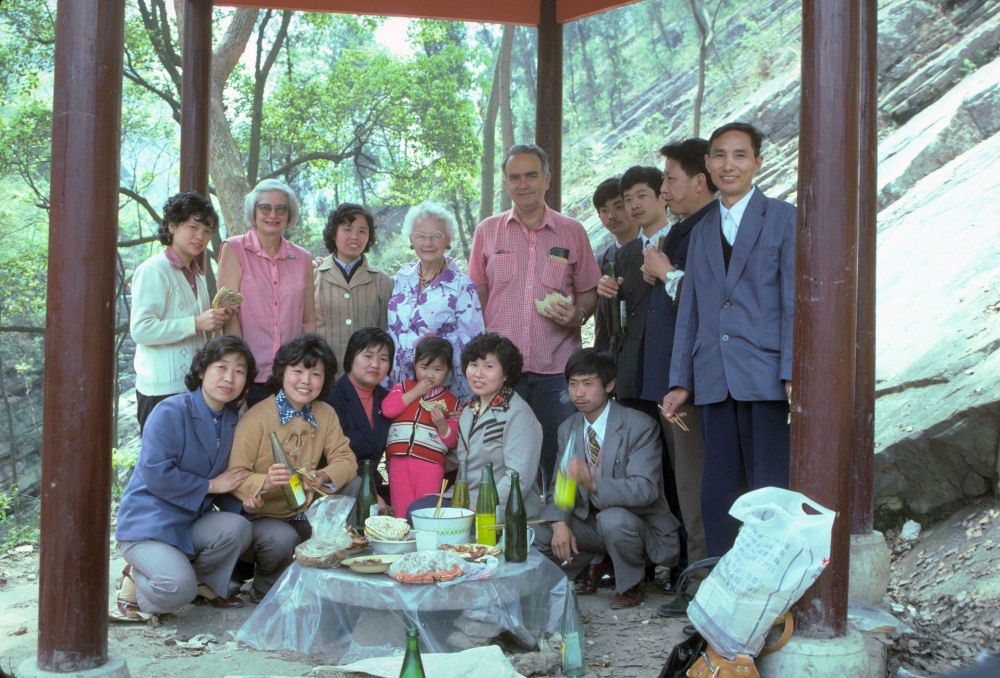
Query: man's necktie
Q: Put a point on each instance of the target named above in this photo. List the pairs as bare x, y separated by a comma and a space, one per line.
595, 448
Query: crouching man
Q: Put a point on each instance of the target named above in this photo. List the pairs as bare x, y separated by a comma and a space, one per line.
619, 517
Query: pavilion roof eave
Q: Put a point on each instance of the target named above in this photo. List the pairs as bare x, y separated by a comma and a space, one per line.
519, 12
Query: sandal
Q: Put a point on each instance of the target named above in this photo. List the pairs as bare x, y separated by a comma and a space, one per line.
128, 610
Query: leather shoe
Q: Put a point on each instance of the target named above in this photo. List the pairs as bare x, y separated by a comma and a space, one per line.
592, 577
674, 608
230, 601
670, 586
630, 598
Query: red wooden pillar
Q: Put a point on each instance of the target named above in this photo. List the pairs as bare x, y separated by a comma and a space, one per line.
548, 107
79, 326
862, 519
825, 293
195, 82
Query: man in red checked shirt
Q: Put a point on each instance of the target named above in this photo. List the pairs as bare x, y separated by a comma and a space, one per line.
521, 256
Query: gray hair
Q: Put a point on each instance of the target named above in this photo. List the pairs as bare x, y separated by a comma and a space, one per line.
525, 149
250, 202
430, 210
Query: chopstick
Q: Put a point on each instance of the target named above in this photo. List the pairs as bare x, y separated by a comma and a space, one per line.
500, 526
437, 509
675, 419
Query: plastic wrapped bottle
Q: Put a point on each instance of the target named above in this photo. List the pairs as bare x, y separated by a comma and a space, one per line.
295, 496
572, 637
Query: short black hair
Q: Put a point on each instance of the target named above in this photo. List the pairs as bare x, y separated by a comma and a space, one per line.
690, 155
344, 216
606, 190
637, 174
308, 349
756, 136
591, 361
528, 149
182, 206
503, 348
432, 348
216, 349
368, 337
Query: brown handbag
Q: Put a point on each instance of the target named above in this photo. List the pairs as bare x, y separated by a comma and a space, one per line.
712, 665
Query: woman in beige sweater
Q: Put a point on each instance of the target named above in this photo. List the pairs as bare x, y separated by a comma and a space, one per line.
310, 435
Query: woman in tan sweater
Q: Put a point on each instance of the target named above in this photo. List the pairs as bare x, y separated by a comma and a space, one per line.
310, 435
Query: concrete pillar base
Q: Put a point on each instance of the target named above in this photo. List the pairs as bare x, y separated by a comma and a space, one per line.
868, 576
819, 658
115, 667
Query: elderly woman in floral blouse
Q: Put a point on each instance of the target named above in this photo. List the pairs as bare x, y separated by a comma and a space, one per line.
432, 296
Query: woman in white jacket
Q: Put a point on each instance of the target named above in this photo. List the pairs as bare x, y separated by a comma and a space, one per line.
171, 311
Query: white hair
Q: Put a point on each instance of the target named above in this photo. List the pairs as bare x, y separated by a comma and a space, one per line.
430, 210
250, 202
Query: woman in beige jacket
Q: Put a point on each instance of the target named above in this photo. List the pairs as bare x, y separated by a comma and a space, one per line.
350, 294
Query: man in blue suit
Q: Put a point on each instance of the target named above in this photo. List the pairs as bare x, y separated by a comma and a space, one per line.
733, 338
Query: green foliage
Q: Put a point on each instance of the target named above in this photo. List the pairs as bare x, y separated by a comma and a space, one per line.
122, 461
15, 526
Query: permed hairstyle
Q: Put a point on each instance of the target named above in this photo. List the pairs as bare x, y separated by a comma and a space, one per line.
182, 206
530, 149
756, 137
365, 338
250, 202
344, 215
309, 349
637, 174
434, 348
215, 350
606, 190
690, 155
588, 361
429, 210
503, 348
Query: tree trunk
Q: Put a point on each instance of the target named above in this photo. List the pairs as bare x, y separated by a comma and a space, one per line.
261, 70
506, 116
487, 160
228, 174
10, 433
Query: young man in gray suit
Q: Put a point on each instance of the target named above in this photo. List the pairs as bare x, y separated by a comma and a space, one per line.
619, 517
733, 337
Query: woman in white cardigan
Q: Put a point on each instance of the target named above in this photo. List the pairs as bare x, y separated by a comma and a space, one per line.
171, 312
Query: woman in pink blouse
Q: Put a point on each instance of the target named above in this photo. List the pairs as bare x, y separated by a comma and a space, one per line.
274, 276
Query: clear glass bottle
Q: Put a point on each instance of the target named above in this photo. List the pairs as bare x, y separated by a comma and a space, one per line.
460, 495
486, 508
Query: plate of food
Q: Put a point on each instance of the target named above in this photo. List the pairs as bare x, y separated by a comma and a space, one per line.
470, 551
375, 564
427, 567
389, 535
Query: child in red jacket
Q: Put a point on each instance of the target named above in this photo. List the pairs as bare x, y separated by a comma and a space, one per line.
424, 425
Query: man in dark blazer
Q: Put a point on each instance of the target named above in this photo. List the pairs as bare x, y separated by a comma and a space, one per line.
611, 211
733, 339
690, 194
640, 188
619, 513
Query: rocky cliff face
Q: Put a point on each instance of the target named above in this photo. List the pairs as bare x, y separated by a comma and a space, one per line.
937, 414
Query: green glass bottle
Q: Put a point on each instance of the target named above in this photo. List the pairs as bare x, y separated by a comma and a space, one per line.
460, 497
412, 666
615, 304
295, 495
486, 508
366, 497
622, 306
515, 524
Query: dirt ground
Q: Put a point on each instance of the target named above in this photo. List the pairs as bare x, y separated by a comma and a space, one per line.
620, 643
945, 586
